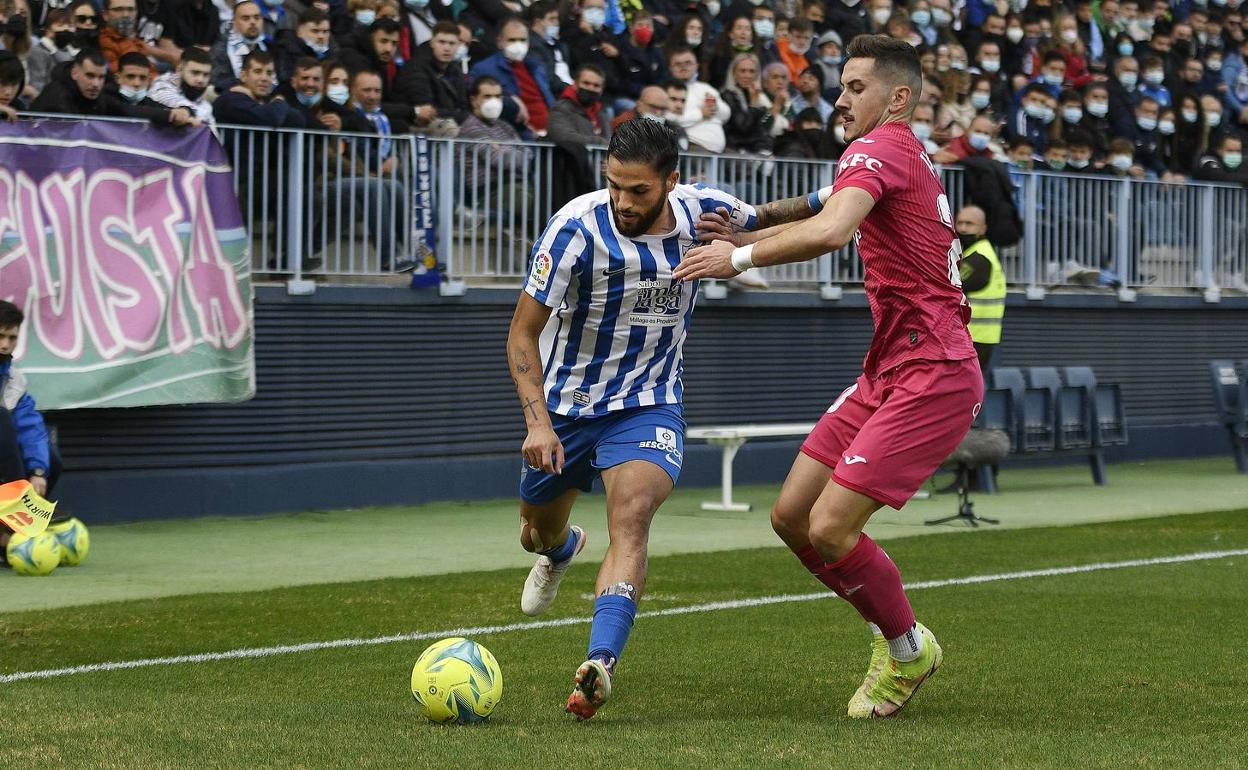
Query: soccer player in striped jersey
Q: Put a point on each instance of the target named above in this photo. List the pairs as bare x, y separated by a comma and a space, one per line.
595, 351
921, 385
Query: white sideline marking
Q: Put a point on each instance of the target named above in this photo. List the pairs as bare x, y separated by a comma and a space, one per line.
264, 652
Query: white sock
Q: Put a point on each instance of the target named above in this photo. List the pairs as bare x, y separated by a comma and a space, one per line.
875, 630
906, 647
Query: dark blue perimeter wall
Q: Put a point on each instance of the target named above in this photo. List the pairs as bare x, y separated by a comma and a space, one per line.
372, 396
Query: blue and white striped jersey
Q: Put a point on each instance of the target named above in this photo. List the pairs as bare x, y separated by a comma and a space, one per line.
617, 333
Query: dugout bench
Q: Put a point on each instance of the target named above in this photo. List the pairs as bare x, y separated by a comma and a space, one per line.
729, 439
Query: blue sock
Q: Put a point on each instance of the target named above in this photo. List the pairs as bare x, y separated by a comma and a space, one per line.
613, 620
562, 552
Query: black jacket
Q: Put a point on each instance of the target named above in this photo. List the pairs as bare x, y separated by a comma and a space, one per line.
748, 128
241, 109
987, 185
61, 96
291, 48
443, 85
397, 80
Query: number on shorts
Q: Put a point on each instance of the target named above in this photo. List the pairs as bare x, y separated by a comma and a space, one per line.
841, 398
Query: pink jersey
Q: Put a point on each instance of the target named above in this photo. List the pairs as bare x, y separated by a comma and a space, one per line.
910, 251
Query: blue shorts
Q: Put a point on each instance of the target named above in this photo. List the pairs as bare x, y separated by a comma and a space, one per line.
655, 434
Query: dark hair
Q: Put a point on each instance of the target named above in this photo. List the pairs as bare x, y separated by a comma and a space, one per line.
387, 25
801, 24
134, 59
677, 50
445, 27
816, 73
674, 83
1118, 144
256, 57
1053, 56
503, 22
196, 55
475, 89
587, 67
360, 73
1019, 141
1056, 144
645, 141
895, 61
1037, 88
313, 15
539, 9
11, 70
306, 63
808, 115
10, 315
1079, 138
92, 55
1229, 136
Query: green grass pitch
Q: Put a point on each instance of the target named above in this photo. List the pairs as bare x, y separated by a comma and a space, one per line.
1135, 667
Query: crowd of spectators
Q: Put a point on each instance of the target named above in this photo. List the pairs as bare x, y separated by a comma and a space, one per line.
1155, 90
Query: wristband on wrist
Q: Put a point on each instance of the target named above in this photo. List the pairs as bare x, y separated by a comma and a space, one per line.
743, 258
819, 198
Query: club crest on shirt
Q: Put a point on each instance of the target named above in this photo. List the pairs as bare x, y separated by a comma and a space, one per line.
540, 275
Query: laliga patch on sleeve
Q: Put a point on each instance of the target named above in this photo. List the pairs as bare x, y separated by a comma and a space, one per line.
739, 217
539, 278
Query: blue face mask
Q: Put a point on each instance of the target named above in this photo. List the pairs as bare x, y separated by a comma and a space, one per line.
309, 100
365, 17
1125, 49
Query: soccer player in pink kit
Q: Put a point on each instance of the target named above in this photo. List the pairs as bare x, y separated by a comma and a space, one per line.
921, 385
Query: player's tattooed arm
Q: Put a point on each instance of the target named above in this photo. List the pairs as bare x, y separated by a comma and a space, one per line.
783, 212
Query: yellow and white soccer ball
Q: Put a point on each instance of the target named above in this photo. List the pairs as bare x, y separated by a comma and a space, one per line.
37, 555
457, 680
75, 541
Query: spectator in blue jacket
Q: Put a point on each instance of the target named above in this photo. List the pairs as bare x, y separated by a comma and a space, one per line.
526, 84
1031, 117
25, 452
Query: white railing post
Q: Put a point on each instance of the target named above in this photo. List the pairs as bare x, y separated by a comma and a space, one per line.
297, 284
1205, 244
1031, 252
445, 196
1122, 257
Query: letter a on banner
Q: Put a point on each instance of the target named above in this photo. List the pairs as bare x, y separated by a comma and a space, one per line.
23, 510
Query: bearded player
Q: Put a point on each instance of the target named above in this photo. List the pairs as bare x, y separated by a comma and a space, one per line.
921, 385
595, 349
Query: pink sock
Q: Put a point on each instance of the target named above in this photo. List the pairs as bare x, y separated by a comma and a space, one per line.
868, 579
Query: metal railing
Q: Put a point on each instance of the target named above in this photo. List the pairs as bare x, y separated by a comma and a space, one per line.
341, 204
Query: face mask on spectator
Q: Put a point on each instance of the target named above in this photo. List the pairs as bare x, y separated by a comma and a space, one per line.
1034, 110
979, 100
922, 18
1125, 48
461, 53
550, 33
1072, 114
693, 40
991, 66
957, 65
839, 133
587, 98
516, 50
416, 5
132, 95
595, 17
1049, 114
644, 35
309, 100
1069, 36
1014, 34
365, 17
1213, 65
799, 50
1212, 119
713, 8
1053, 80
192, 93
1057, 165
1022, 163
1128, 80
979, 140
64, 38
1232, 159
124, 25
87, 37
1154, 77
1166, 127
655, 118
491, 108
1120, 162
941, 17
320, 49
880, 15
1190, 116
764, 28
338, 94
921, 130
1078, 162
1146, 123
1098, 109
969, 239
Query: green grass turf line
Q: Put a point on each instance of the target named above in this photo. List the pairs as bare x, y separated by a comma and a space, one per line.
168, 558
1133, 667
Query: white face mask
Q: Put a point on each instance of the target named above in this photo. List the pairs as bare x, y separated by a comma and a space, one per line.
880, 15
133, 95
1014, 34
1190, 116
921, 130
1072, 114
1069, 36
338, 94
595, 17
516, 50
1120, 162
551, 33
1098, 109
1166, 127
979, 140
365, 17
764, 28
491, 108
713, 8
1212, 119
991, 66
980, 100
799, 50
693, 40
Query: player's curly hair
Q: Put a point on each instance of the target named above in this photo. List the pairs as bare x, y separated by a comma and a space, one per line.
896, 61
642, 140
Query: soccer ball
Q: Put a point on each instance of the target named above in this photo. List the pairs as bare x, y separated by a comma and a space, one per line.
75, 541
456, 680
37, 555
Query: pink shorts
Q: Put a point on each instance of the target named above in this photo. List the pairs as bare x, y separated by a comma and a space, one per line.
884, 437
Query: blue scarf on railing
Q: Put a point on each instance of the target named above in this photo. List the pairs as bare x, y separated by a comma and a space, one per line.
382, 124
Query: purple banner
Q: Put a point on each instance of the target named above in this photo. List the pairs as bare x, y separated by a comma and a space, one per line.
124, 245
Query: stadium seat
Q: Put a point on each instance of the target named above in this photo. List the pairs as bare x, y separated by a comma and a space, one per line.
1072, 408
1230, 395
1033, 410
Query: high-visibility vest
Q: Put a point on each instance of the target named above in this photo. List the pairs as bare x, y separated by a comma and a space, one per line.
987, 304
